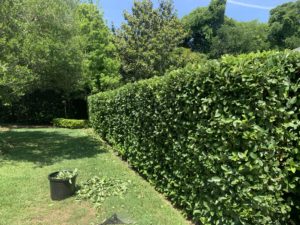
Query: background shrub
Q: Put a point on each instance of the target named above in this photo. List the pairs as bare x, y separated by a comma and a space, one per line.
220, 140
70, 123
41, 106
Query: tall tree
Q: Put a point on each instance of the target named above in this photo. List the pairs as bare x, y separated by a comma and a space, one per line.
284, 25
148, 38
216, 10
240, 37
204, 23
100, 65
51, 48
15, 76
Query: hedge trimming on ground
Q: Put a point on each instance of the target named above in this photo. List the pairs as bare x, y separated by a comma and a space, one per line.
220, 140
70, 123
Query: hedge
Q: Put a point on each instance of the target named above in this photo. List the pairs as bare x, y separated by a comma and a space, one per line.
70, 123
220, 140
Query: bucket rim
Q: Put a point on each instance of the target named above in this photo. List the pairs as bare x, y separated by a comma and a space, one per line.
52, 175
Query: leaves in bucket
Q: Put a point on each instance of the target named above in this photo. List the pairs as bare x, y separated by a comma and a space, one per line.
98, 189
67, 175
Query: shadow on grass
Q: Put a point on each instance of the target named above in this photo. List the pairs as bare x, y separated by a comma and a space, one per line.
47, 147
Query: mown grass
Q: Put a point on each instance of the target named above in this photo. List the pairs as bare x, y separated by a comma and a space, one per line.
31, 154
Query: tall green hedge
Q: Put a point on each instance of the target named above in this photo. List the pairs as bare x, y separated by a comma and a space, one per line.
220, 140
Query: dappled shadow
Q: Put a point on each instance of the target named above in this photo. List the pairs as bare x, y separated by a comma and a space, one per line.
48, 146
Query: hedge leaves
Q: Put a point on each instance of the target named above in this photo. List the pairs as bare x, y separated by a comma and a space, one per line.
220, 140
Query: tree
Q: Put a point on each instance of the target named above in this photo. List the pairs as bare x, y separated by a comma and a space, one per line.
39, 48
284, 26
215, 34
58, 47
148, 39
15, 76
100, 65
51, 47
217, 14
204, 23
240, 37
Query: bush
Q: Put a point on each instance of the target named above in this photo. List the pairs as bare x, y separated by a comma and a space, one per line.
181, 57
70, 123
40, 107
220, 140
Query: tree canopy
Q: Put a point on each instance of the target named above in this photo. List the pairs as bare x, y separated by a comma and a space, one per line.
204, 22
100, 66
239, 37
50, 45
284, 25
61, 45
15, 75
148, 38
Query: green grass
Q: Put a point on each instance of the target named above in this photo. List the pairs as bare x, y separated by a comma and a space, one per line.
31, 154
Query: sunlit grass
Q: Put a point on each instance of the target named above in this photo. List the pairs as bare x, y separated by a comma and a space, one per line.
31, 154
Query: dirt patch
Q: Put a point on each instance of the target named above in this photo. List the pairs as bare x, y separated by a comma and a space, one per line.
79, 213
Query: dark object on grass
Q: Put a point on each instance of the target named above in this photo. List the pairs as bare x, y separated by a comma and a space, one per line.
113, 220
61, 188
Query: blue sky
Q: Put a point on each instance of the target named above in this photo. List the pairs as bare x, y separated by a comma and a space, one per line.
241, 10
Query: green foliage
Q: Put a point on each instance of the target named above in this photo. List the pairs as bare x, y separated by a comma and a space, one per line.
204, 23
40, 107
239, 37
66, 175
216, 35
59, 46
100, 65
50, 46
38, 47
220, 140
98, 189
15, 81
284, 26
15, 76
70, 123
147, 39
181, 57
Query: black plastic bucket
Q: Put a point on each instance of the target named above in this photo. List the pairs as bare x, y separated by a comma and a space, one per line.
61, 189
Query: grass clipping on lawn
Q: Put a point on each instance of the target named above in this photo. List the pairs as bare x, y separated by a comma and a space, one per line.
98, 189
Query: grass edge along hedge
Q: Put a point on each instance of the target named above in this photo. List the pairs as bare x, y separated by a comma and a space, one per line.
220, 140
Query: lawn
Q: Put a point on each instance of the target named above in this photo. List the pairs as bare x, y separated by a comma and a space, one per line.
31, 154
